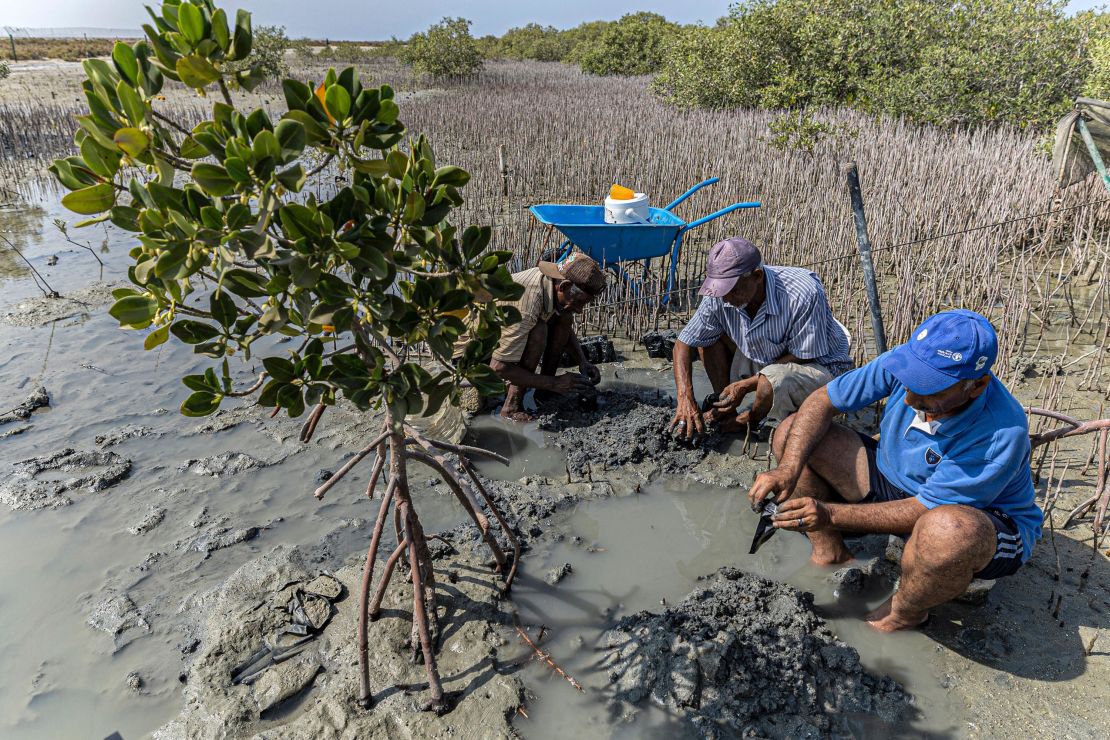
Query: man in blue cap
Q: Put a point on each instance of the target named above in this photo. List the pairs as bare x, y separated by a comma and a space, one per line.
950, 470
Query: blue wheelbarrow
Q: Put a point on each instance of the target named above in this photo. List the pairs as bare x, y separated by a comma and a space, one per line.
611, 244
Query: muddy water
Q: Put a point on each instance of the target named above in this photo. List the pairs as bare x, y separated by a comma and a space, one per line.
65, 678
633, 554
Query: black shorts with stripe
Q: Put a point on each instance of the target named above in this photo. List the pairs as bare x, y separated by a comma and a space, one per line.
1008, 546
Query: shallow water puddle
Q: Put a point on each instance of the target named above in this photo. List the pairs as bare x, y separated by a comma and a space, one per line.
632, 553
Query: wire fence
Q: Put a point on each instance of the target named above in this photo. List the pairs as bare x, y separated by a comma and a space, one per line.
74, 32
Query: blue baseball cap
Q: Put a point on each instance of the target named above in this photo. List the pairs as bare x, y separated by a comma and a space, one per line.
948, 347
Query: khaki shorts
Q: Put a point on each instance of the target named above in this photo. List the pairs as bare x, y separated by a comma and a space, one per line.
791, 382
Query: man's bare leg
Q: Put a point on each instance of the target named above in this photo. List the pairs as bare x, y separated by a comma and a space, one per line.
837, 471
762, 402
514, 395
948, 546
559, 328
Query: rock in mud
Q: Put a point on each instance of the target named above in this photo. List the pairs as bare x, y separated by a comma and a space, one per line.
746, 657
557, 574
92, 471
223, 465
626, 427
598, 349
153, 518
120, 618
134, 682
659, 344
23, 411
221, 537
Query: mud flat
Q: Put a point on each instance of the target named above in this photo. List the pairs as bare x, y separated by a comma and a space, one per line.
313, 693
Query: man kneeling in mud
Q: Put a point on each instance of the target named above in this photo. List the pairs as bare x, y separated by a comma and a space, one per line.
553, 293
950, 470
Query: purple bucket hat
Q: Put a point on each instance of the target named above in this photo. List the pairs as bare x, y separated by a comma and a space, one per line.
729, 260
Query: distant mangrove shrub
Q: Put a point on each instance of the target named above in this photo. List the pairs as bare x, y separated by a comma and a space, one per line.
1096, 26
446, 49
4, 70
634, 45
932, 61
533, 41
267, 53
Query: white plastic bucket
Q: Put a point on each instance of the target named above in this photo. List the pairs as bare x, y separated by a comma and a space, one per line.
631, 211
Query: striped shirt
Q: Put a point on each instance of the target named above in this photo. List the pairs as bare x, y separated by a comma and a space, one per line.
795, 317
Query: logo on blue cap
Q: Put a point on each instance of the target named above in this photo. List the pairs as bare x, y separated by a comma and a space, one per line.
948, 347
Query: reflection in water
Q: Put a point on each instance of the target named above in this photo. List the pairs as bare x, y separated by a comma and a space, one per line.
22, 224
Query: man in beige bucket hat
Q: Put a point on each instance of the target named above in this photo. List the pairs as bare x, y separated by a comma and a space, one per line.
528, 353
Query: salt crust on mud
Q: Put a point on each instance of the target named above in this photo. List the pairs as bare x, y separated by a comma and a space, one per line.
745, 656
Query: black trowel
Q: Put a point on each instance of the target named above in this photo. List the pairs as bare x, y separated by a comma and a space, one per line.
766, 528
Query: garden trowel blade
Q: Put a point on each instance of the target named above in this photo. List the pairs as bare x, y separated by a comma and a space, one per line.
765, 529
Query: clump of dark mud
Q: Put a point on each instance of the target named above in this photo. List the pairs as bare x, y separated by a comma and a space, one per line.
745, 656
623, 427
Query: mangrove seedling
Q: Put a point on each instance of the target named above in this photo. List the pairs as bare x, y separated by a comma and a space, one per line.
234, 245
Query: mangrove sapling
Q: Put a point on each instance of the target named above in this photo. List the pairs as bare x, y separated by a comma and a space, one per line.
232, 247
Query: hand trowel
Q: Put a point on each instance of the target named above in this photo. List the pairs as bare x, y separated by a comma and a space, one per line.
766, 528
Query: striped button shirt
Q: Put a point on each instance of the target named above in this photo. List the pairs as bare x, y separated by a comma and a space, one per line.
795, 317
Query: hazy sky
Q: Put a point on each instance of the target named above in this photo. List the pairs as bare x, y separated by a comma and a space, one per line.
373, 19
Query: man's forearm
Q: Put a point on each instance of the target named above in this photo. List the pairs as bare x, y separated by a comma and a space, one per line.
807, 430
514, 374
683, 361
889, 517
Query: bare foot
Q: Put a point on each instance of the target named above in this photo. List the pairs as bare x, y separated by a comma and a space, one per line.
885, 619
518, 415
839, 557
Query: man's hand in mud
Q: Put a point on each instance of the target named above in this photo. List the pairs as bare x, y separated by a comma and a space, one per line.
687, 421
591, 372
778, 484
802, 515
570, 383
730, 398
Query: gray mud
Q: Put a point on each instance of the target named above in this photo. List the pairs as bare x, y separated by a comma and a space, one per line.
35, 400
746, 656
43, 310
72, 470
314, 694
623, 427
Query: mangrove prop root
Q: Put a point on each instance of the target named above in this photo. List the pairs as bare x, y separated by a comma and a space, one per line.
309, 427
505, 528
419, 613
376, 604
546, 658
367, 578
467, 504
412, 540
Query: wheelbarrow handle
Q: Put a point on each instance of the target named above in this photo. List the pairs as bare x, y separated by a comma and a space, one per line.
691, 191
718, 214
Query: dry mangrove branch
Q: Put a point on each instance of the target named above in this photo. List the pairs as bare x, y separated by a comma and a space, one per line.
545, 657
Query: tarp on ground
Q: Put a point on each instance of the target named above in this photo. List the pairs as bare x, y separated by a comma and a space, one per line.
1070, 159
